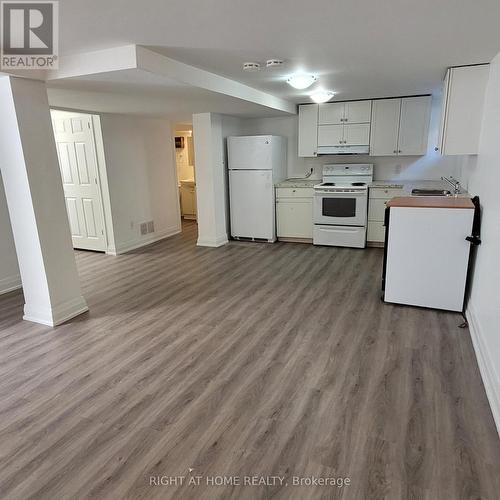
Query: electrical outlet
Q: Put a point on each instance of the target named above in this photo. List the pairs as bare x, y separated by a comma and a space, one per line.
398, 169
144, 228
151, 226
131, 224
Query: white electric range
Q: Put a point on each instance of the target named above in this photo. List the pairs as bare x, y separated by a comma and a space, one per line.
341, 205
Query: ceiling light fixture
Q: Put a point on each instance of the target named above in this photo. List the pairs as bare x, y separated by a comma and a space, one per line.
274, 63
301, 81
321, 96
251, 66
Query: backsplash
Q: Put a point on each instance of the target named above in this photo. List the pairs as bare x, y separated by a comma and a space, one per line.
429, 167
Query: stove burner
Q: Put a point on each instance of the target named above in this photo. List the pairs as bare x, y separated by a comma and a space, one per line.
358, 184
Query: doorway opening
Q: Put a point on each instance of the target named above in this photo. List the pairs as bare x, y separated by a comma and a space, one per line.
186, 174
80, 152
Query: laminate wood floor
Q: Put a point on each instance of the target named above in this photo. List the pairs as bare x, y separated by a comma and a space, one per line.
246, 360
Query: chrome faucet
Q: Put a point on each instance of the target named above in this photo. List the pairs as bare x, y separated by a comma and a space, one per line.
454, 183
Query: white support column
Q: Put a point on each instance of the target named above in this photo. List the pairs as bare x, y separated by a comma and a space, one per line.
211, 185
34, 192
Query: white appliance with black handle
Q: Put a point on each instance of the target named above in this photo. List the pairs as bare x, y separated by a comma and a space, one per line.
341, 205
256, 163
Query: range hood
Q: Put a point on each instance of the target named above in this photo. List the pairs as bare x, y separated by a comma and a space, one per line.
343, 150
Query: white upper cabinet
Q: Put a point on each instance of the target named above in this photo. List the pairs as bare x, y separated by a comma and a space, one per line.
414, 125
308, 130
463, 101
356, 134
385, 127
400, 126
350, 134
335, 113
331, 113
358, 112
396, 126
330, 135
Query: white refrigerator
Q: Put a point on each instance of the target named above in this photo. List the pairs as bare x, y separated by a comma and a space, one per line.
256, 163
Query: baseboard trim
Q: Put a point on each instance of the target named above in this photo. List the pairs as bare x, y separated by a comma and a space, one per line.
214, 243
375, 244
58, 314
489, 375
10, 284
287, 239
145, 241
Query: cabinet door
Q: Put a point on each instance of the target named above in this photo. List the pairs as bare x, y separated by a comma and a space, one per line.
376, 209
294, 218
308, 130
358, 112
385, 127
414, 125
331, 113
463, 113
188, 200
331, 135
357, 134
375, 232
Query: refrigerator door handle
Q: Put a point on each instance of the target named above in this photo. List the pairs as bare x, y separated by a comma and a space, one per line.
473, 240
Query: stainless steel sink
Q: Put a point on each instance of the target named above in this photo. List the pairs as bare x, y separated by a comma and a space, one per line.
430, 192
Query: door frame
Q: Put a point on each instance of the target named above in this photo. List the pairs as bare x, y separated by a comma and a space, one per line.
102, 177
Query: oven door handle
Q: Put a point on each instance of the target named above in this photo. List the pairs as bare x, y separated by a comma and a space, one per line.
340, 194
337, 229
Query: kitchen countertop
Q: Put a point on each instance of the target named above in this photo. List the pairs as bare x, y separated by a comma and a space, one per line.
387, 184
298, 183
407, 186
430, 202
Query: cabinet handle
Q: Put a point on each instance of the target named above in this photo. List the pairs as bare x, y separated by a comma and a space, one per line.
395, 151
400, 151
436, 149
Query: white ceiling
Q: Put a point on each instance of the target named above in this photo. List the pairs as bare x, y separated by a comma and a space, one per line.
361, 48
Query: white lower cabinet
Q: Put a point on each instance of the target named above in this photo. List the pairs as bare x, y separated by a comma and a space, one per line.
188, 200
294, 213
378, 196
376, 232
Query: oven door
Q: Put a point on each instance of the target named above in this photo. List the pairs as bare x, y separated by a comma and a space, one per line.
340, 208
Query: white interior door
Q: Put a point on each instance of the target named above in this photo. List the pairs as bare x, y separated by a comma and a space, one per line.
252, 204
77, 160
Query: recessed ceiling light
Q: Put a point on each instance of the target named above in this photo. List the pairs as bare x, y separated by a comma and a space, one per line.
274, 63
301, 81
251, 66
321, 96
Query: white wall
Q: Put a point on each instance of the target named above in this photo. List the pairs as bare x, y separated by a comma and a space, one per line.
429, 167
10, 278
484, 305
140, 163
